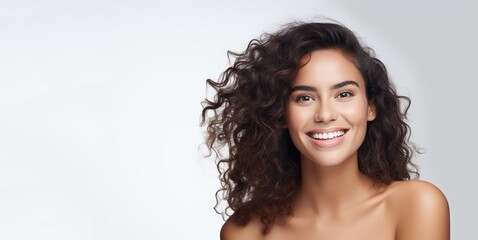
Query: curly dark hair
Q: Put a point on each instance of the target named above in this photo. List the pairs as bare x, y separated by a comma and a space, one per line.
260, 173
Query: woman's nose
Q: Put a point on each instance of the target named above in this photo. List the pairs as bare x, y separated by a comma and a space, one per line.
325, 112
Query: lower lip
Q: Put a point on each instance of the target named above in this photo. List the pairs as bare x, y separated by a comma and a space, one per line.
328, 143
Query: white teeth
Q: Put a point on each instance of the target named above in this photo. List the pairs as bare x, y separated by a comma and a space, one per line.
328, 135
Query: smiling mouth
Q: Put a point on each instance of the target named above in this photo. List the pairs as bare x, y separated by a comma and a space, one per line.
327, 135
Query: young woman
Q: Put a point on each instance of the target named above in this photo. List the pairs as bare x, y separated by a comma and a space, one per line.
317, 143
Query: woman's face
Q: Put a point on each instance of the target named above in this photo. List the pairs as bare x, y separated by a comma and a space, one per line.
328, 110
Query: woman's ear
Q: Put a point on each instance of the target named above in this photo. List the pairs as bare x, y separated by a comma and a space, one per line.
371, 112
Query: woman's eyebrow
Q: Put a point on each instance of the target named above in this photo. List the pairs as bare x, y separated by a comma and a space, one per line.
312, 89
344, 83
303, 88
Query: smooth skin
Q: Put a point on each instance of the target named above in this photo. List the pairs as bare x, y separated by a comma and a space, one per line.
336, 201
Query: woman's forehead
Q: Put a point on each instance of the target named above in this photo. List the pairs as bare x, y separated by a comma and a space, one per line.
327, 68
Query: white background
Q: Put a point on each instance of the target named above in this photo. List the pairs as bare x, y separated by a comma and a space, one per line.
100, 104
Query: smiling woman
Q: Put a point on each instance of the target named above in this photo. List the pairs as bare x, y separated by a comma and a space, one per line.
327, 111
317, 143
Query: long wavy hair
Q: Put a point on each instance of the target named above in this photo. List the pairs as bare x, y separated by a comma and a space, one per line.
259, 166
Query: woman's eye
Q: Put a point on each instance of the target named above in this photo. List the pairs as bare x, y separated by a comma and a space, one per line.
304, 98
345, 95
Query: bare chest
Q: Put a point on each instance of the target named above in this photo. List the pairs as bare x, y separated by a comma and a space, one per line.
378, 225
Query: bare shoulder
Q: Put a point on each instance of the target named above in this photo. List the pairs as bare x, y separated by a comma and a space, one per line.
233, 231
421, 209
416, 190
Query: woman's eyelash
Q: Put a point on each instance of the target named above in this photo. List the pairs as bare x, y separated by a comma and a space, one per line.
303, 98
345, 94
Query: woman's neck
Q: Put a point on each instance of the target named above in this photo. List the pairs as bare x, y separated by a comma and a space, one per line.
328, 191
